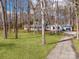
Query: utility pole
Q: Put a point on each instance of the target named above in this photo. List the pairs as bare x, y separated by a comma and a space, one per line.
43, 27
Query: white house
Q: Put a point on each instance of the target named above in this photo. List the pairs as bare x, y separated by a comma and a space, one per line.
67, 27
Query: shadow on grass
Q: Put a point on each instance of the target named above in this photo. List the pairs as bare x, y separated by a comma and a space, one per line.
63, 40
7, 45
24, 37
30, 37
60, 41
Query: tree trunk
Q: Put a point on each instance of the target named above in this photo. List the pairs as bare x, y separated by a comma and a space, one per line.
4, 19
16, 23
76, 13
43, 27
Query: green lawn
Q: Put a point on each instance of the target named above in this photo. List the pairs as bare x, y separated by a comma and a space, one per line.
28, 46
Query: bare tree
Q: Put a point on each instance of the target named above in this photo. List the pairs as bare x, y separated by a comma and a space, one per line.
16, 22
4, 14
15, 18
42, 2
76, 13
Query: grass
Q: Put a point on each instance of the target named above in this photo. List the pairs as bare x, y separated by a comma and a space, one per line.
28, 46
76, 44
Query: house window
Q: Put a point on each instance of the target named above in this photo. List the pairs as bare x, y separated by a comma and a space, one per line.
58, 27
53, 27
